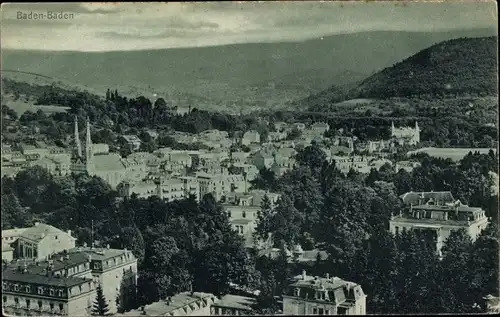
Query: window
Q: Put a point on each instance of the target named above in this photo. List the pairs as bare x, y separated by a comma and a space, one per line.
40, 304
244, 214
16, 300
51, 306
397, 230
51, 292
296, 292
315, 311
56, 237
28, 303
61, 307
28, 289
5, 299
320, 311
60, 293
16, 287
40, 290
327, 312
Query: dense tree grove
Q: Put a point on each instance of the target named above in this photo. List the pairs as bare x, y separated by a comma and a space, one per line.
348, 217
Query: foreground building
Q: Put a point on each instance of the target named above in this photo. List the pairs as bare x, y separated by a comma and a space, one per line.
436, 215
65, 283
37, 242
308, 295
27, 291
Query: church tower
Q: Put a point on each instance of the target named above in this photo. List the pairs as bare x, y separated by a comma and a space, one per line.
88, 148
393, 129
77, 140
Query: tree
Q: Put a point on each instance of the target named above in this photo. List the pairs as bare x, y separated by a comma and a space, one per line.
456, 273
264, 219
100, 307
286, 222
266, 179
313, 157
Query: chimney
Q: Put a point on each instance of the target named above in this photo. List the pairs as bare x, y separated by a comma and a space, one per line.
85, 244
107, 246
69, 233
37, 223
327, 276
304, 275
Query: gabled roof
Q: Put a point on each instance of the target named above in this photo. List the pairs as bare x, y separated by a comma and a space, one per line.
415, 197
40, 231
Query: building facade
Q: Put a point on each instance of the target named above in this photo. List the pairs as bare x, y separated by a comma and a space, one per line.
436, 215
308, 295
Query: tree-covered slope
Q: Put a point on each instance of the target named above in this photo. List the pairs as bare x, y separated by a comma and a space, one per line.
463, 67
459, 66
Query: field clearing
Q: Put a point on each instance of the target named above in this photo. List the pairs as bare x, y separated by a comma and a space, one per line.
20, 105
456, 154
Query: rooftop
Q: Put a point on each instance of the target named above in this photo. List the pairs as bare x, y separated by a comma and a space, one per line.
14, 275
235, 302
240, 221
416, 197
99, 254
179, 301
431, 223
40, 231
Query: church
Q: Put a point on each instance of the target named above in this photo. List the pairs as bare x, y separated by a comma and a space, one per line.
111, 167
406, 135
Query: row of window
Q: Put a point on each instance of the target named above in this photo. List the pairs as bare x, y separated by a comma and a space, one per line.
28, 304
319, 295
40, 290
321, 311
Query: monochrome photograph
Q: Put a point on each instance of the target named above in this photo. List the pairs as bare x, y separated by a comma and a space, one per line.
250, 158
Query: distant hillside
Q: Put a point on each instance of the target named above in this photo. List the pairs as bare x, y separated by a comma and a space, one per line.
268, 74
463, 66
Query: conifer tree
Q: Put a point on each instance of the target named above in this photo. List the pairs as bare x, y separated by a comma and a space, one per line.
100, 307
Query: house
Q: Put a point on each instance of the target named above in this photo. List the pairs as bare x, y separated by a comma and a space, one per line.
436, 215
276, 136
249, 170
28, 293
233, 305
282, 165
132, 141
281, 126
220, 184
182, 304
242, 210
299, 126
320, 127
308, 295
250, 137
239, 157
40, 241
262, 159
408, 166
114, 269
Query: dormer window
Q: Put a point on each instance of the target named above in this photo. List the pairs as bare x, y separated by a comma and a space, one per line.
28, 289
60, 293
51, 292
40, 290
16, 287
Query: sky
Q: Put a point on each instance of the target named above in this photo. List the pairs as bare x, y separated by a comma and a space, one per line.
135, 26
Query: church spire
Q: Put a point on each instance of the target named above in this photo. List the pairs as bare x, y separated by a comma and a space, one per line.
88, 143
77, 139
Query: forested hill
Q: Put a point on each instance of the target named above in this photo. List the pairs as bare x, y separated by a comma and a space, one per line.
463, 66
457, 66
